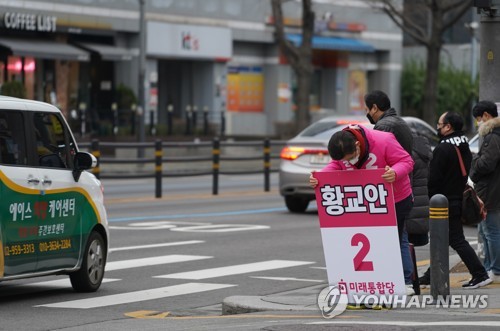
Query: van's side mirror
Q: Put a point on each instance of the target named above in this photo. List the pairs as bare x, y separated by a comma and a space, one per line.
83, 161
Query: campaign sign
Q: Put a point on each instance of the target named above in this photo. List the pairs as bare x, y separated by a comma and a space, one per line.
359, 232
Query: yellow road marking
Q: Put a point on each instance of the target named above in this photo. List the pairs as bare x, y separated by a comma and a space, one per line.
147, 314
495, 311
177, 197
151, 314
423, 262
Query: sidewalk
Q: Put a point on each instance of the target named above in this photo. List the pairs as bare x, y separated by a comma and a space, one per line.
304, 300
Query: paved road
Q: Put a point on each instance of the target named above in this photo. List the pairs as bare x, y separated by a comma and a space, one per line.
181, 256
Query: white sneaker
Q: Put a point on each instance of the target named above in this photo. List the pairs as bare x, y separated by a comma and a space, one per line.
409, 290
495, 278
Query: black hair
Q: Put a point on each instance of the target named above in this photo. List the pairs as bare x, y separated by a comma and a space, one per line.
340, 144
455, 120
485, 107
378, 98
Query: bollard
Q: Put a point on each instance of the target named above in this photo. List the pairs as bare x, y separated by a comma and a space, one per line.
189, 116
205, 121
222, 123
194, 118
215, 165
95, 151
170, 117
158, 167
439, 239
267, 164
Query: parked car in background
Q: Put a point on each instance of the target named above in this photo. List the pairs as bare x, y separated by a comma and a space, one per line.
308, 151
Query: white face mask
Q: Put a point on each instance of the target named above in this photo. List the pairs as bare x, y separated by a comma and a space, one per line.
354, 161
479, 123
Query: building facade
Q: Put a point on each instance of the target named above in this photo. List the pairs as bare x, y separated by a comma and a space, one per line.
208, 57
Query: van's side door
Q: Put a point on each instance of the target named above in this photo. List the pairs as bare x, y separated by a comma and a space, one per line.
60, 230
19, 192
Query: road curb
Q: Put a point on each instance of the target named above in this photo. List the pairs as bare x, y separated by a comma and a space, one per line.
245, 304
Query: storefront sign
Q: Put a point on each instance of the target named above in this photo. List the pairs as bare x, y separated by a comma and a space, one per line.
322, 24
359, 232
245, 88
29, 22
188, 41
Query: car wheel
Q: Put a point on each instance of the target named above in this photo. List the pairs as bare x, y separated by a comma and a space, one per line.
296, 204
90, 275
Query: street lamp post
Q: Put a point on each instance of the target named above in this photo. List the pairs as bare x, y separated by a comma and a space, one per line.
142, 75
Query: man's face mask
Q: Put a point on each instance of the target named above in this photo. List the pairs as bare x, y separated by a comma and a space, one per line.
369, 117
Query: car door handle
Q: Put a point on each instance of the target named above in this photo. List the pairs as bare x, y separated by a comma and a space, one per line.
34, 181
46, 181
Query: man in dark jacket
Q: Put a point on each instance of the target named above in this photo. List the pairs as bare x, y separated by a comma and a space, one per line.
446, 178
417, 223
379, 112
485, 173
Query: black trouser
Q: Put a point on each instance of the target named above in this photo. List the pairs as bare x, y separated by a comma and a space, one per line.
403, 209
460, 245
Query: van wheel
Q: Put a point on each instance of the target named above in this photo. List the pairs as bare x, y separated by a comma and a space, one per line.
90, 275
296, 204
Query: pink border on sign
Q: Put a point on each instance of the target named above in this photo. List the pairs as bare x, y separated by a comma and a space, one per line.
354, 209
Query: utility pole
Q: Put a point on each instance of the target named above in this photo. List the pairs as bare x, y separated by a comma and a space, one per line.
489, 68
142, 74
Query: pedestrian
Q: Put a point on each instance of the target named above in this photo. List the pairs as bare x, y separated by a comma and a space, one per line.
379, 112
357, 147
485, 173
417, 222
446, 178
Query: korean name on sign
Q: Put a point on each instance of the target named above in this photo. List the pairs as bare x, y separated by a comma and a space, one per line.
346, 197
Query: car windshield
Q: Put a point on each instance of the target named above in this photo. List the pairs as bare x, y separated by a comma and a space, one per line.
324, 126
318, 128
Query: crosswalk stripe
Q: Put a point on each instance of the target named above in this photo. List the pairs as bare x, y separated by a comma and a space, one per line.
177, 243
234, 269
19, 289
150, 261
137, 296
287, 279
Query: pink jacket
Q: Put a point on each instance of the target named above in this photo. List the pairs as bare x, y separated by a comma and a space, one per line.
384, 150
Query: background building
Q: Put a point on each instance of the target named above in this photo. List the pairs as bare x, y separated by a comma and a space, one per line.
202, 56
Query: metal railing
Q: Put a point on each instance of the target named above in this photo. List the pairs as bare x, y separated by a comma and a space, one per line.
159, 160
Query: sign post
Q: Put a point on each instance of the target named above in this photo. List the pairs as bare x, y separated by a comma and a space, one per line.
359, 233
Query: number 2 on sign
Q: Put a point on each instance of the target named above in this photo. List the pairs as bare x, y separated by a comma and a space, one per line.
359, 264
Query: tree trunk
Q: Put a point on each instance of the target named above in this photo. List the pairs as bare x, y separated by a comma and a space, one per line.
433, 60
302, 115
431, 81
299, 58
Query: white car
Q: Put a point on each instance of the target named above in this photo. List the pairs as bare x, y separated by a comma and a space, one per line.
308, 151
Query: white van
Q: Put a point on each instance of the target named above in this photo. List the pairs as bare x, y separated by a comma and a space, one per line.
52, 216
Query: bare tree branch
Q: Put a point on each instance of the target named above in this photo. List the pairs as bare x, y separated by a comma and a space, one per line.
405, 23
460, 11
